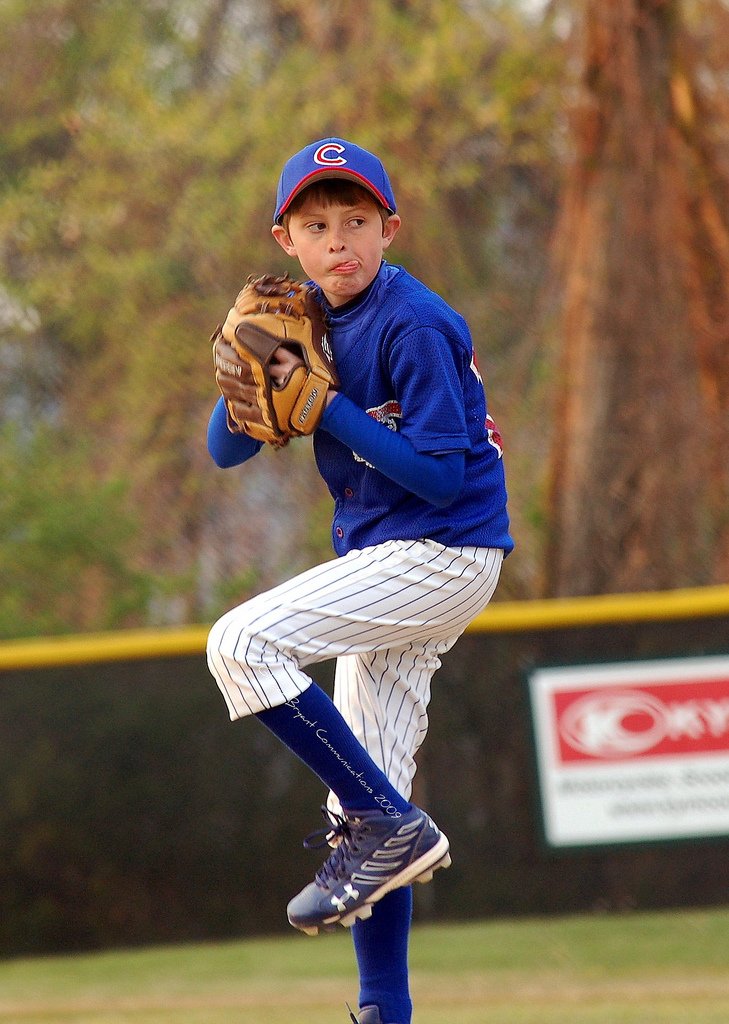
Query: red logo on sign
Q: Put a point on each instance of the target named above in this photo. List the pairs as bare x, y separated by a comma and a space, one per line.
608, 723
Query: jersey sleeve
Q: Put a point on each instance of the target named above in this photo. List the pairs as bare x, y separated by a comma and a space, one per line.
228, 449
428, 370
436, 479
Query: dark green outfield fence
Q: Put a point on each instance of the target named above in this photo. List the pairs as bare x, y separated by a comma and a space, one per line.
133, 811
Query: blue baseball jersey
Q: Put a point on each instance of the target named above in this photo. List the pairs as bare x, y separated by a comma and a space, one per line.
407, 358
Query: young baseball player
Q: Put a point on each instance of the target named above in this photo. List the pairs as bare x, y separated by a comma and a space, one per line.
420, 529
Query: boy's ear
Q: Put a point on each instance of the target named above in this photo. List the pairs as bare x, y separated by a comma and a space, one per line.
284, 240
389, 229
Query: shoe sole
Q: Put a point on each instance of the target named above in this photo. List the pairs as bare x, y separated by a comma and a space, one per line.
421, 870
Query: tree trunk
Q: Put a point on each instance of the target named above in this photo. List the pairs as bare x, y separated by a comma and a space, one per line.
638, 468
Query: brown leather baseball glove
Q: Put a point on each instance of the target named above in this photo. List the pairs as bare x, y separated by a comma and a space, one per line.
271, 313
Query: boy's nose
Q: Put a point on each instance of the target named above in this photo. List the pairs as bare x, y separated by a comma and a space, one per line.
336, 244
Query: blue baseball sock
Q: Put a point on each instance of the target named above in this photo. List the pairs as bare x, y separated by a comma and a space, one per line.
312, 727
381, 947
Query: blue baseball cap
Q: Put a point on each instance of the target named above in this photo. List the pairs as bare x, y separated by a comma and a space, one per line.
333, 158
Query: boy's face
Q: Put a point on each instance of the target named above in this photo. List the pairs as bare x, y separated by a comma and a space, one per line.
338, 247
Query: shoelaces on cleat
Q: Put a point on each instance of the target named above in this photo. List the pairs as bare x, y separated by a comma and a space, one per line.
347, 834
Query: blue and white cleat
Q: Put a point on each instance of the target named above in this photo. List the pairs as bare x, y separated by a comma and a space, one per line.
373, 854
367, 1015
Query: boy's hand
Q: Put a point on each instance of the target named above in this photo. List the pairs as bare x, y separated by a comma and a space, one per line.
283, 362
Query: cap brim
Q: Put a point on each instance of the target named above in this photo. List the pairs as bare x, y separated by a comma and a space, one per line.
329, 172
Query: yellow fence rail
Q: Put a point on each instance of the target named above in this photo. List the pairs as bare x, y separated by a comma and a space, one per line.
500, 617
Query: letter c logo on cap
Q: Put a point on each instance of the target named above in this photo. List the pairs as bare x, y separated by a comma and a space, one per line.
330, 155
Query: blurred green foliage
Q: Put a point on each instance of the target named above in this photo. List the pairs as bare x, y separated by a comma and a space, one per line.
140, 145
66, 540
139, 150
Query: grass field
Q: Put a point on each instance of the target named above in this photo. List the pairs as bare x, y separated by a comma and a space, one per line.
659, 968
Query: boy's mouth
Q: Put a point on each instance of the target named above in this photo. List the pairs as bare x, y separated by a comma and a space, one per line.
347, 267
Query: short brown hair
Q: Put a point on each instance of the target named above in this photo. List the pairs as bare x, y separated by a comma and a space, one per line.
334, 192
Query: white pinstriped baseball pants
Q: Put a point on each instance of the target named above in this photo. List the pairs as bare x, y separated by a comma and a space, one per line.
386, 613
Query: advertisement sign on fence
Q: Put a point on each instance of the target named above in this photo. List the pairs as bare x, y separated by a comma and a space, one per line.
632, 751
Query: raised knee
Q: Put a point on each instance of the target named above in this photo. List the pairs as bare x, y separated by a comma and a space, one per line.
236, 639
